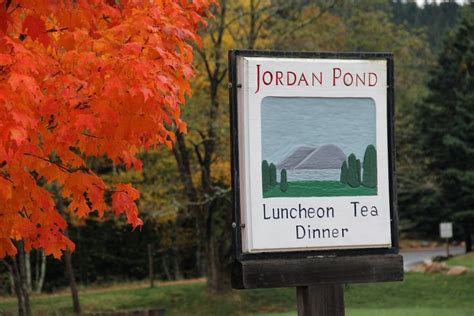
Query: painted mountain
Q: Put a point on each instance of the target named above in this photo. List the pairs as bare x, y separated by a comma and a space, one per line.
311, 158
318, 147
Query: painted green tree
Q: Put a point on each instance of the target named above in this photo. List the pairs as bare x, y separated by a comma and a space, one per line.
353, 172
344, 171
369, 178
265, 176
358, 168
272, 175
283, 181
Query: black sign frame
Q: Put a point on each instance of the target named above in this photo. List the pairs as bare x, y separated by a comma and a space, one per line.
235, 84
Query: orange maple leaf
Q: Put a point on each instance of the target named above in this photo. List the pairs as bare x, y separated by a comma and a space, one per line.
36, 28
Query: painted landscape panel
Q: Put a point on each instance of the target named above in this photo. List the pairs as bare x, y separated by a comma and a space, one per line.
315, 147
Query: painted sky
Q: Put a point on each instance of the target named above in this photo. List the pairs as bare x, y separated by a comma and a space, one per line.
288, 123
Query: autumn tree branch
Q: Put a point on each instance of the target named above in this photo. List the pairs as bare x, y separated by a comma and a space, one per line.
60, 165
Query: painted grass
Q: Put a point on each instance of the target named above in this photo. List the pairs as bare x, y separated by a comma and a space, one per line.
418, 295
318, 188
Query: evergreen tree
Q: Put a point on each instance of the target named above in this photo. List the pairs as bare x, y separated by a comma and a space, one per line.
344, 171
370, 167
283, 181
445, 122
265, 176
353, 177
433, 17
272, 175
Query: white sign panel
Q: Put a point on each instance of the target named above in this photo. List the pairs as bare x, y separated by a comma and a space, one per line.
313, 153
446, 230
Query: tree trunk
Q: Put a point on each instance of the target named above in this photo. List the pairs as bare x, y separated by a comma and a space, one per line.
22, 276
178, 275
218, 278
12, 281
37, 269
151, 273
199, 259
24, 308
72, 281
212, 267
68, 258
468, 237
42, 273
165, 268
28, 271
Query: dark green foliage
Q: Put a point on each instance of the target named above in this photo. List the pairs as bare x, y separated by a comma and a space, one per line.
353, 173
272, 175
119, 253
283, 181
465, 219
265, 176
344, 172
435, 18
370, 167
445, 123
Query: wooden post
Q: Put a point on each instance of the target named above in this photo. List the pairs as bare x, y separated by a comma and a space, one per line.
447, 247
320, 300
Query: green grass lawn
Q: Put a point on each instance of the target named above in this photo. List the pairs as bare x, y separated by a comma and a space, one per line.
465, 260
318, 188
418, 295
393, 312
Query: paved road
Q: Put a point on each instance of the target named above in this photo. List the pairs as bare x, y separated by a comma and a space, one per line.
412, 257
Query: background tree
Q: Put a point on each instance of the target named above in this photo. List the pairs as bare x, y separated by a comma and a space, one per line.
265, 175
353, 173
344, 171
439, 16
82, 111
273, 174
202, 156
283, 181
372, 26
465, 219
359, 171
164, 207
180, 227
445, 122
370, 167
132, 79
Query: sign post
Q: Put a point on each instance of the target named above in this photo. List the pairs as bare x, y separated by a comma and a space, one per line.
446, 232
313, 173
320, 300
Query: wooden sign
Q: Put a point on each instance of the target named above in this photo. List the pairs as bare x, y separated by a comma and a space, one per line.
313, 156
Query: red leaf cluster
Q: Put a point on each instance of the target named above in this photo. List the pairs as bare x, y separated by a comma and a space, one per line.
80, 79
